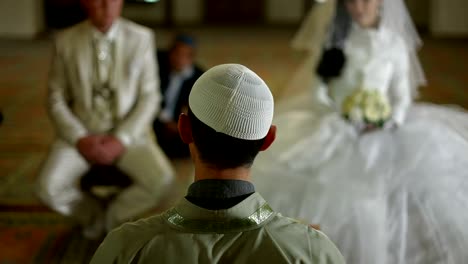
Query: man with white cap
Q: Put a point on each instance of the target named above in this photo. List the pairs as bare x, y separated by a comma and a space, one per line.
222, 219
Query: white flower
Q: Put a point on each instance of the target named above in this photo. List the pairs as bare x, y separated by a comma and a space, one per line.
356, 115
366, 105
386, 111
349, 103
372, 114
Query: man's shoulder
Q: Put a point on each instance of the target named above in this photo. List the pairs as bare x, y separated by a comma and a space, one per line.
145, 227
301, 239
70, 33
126, 241
293, 227
197, 72
135, 29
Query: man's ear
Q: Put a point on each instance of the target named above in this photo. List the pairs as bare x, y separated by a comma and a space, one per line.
270, 137
185, 128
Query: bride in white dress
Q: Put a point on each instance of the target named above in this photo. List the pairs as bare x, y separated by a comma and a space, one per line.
392, 192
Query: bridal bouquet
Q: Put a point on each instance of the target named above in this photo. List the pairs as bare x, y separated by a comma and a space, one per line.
367, 108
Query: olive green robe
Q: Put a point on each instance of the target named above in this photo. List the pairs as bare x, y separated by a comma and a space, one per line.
249, 232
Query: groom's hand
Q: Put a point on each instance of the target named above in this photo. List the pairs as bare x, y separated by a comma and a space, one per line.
100, 149
88, 147
111, 149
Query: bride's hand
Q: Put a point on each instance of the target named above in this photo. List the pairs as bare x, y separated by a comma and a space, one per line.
390, 125
369, 128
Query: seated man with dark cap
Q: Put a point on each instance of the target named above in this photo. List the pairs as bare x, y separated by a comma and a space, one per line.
222, 219
177, 72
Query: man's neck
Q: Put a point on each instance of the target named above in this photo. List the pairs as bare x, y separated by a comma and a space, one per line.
103, 28
205, 172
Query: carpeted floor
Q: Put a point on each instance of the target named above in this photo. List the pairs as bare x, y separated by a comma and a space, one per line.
30, 233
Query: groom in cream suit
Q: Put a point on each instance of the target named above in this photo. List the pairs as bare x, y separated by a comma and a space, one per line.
103, 96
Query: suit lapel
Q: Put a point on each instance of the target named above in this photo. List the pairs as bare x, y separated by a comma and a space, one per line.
84, 57
118, 67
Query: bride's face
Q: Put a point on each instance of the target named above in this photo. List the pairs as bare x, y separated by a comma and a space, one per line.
364, 12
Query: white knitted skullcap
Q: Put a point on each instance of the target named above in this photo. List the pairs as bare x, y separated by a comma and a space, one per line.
233, 100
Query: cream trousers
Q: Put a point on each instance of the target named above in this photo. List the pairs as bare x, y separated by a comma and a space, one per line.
144, 162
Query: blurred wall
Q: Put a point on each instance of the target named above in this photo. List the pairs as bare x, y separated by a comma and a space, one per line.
420, 12
145, 13
21, 18
449, 18
284, 12
183, 12
187, 11
25, 18
190, 12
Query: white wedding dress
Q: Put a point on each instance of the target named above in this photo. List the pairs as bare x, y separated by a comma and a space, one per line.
391, 196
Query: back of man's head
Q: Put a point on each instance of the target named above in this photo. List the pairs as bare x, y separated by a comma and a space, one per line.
231, 111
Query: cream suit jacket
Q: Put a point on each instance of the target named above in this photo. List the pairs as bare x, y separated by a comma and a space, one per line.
135, 82
71, 110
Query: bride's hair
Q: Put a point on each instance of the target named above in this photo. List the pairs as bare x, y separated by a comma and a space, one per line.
331, 64
333, 59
